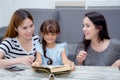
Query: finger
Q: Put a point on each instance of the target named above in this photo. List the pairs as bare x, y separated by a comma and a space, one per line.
27, 62
79, 56
35, 64
83, 52
31, 57
73, 66
30, 61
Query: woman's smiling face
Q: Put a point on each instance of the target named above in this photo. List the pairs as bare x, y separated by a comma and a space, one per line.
89, 29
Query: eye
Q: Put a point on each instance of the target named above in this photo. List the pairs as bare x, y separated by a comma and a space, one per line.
53, 33
87, 26
45, 33
31, 25
83, 25
24, 27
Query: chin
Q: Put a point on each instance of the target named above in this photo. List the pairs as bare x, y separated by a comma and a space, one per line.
29, 38
49, 42
87, 38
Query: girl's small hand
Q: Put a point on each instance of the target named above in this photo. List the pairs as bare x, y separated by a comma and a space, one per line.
37, 64
72, 65
81, 56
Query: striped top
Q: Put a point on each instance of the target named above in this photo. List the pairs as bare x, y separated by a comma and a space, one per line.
12, 48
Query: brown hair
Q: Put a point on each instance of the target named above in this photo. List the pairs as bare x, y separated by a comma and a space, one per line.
17, 19
48, 26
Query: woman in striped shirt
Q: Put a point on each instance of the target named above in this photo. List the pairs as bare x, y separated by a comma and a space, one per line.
18, 45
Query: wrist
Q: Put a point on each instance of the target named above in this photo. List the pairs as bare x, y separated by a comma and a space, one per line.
17, 61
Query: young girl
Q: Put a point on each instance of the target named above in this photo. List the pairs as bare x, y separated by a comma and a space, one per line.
51, 52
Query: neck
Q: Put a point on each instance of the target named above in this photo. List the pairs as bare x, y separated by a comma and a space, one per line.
21, 40
26, 44
51, 45
95, 42
100, 46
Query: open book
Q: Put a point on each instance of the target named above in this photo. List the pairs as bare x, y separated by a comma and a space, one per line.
59, 69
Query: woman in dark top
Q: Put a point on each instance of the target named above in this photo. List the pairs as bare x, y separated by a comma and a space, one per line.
97, 49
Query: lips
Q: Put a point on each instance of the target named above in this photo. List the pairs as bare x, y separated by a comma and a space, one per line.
29, 35
49, 39
86, 35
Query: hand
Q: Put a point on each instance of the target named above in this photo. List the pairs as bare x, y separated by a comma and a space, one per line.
116, 63
37, 64
72, 65
26, 60
81, 56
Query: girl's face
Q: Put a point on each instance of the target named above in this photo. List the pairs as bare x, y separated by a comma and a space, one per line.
89, 29
50, 37
26, 29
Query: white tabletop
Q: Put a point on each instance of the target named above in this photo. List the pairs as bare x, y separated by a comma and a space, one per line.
81, 73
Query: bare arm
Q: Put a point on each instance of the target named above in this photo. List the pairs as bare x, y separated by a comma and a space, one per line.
66, 61
26, 60
38, 60
6, 62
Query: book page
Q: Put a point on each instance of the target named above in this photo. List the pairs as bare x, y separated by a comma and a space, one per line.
60, 68
54, 69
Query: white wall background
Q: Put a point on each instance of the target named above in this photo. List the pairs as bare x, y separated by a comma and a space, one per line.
7, 7
102, 2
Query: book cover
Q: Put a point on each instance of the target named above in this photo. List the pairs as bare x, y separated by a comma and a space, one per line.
59, 69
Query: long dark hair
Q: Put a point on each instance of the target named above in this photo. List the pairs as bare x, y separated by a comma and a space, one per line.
48, 26
100, 23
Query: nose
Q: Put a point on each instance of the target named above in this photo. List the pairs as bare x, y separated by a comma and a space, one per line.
49, 36
84, 29
29, 30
